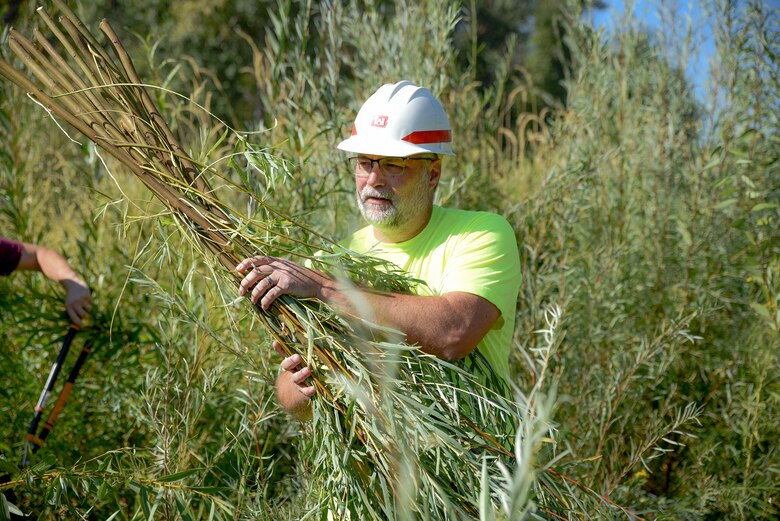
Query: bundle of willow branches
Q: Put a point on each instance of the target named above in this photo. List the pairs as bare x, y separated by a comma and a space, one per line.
396, 433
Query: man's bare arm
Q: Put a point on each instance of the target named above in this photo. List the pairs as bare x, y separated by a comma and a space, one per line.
448, 326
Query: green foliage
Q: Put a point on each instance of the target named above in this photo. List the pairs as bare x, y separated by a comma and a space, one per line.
648, 225
645, 232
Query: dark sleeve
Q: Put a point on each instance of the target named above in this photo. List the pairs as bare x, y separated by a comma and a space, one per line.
10, 254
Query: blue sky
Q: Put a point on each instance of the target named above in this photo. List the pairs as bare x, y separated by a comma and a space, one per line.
681, 11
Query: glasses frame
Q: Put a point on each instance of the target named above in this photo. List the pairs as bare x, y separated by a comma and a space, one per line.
354, 162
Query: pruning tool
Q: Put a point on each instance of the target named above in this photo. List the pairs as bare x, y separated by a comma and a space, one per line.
33, 441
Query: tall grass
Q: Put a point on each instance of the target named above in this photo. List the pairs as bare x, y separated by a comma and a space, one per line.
645, 213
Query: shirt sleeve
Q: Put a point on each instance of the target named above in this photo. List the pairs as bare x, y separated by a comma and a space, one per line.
10, 255
485, 262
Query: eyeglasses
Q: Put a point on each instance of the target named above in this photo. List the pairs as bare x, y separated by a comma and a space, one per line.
389, 166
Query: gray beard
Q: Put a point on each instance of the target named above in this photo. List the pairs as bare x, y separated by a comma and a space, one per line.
399, 212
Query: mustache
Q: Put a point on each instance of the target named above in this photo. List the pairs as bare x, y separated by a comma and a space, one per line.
373, 192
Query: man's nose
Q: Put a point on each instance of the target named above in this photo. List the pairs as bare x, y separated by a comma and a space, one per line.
375, 176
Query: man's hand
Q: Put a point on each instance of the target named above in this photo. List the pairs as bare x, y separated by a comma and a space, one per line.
268, 278
78, 299
291, 392
448, 326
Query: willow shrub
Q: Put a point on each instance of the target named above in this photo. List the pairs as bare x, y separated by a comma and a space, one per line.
145, 401
656, 229
630, 211
172, 405
647, 214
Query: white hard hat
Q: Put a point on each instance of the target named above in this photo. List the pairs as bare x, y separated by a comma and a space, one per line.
400, 120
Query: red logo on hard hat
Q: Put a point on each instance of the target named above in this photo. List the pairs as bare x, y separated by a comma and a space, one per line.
379, 121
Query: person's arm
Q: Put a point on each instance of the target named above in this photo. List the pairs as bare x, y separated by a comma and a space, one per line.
78, 298
448, 326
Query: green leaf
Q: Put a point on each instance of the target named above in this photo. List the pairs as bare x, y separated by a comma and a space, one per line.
763, 206
762, 310
747, 134
5, 513
219, 142
684, 233
145, 502
726, 204
176, 476
712, 164
183, 509
486, 512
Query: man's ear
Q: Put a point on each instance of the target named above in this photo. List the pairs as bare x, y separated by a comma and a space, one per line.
434, 174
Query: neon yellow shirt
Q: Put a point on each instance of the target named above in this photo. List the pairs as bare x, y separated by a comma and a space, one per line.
459, 250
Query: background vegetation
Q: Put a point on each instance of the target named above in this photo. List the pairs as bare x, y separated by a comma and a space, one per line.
646, 212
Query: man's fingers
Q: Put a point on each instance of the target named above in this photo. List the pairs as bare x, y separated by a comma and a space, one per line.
259, 279
262, 288
291, 362
244, 264
299, 376
253, 262
271, 294
308, 391
249, 281
278, 348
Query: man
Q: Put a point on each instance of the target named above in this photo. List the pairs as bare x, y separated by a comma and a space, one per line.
31, 257
469, 260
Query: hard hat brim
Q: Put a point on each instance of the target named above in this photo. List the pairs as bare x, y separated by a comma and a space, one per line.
370, 145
